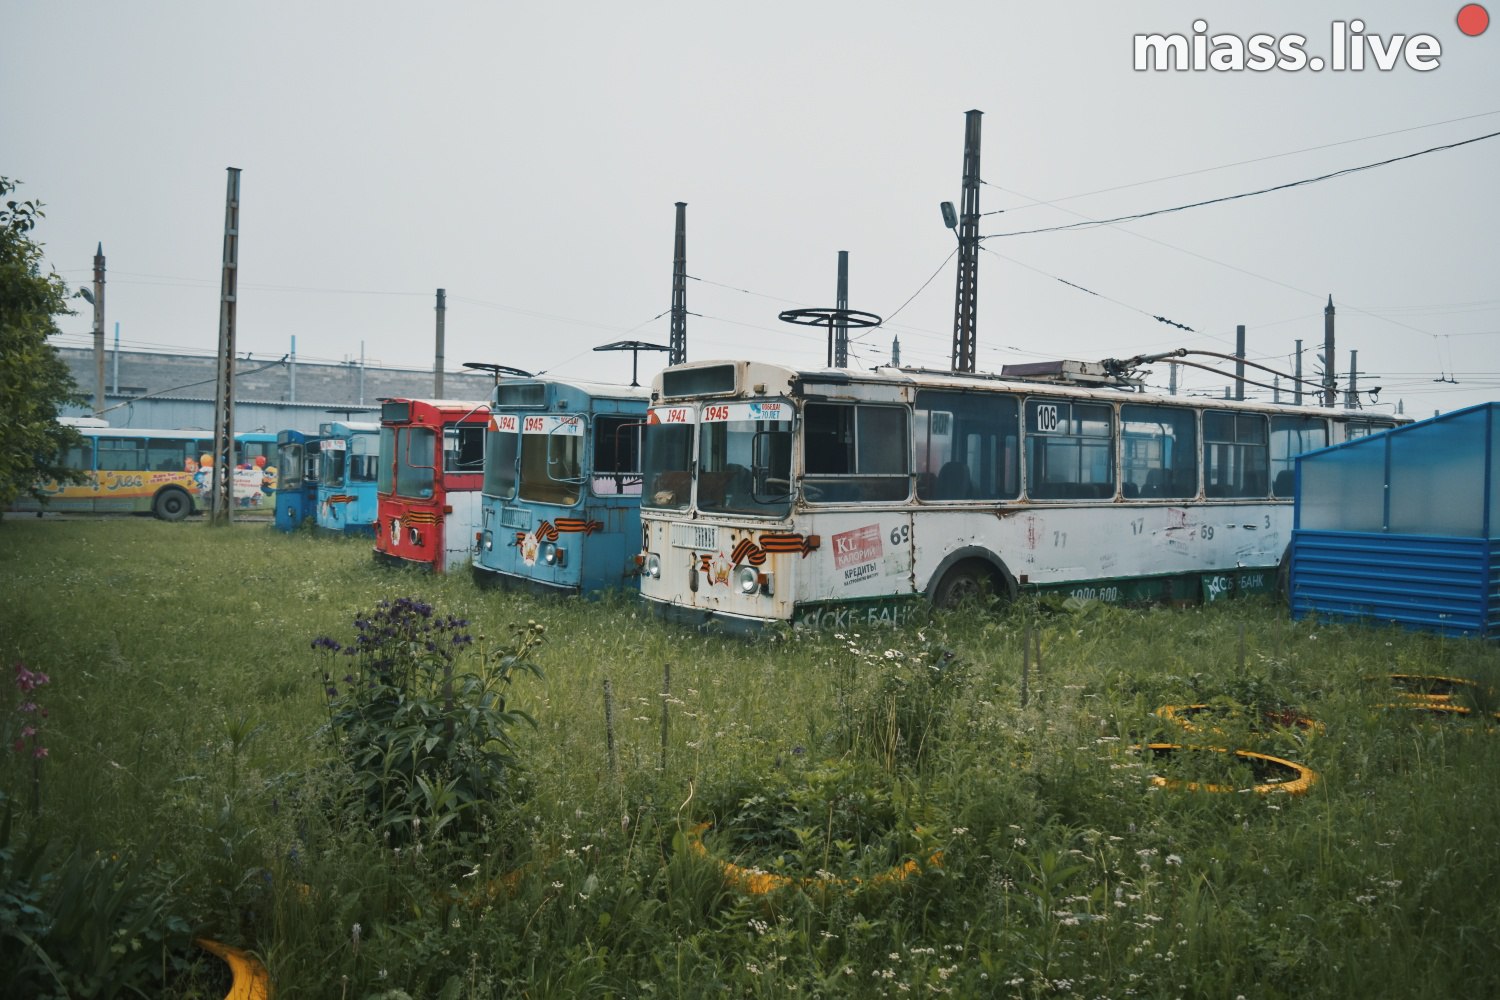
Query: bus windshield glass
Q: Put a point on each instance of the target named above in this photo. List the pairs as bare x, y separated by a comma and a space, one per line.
551, 458
500, 459
384, 482
289, 462
745, 458
416, 448
334, 455
667, 460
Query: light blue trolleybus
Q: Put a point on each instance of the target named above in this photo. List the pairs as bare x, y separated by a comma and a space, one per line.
348, 467
560, 510
297, 478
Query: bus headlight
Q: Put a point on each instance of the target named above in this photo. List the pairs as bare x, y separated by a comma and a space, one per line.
653, 565
553, 554
748, 578
489, 541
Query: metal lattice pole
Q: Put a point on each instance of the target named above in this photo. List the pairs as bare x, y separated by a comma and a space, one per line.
677, 345
966, 305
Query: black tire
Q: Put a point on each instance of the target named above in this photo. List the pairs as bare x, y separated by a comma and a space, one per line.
1284, 576
172, 505
967, 581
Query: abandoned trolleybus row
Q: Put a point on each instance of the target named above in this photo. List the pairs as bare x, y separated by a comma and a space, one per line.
835, 497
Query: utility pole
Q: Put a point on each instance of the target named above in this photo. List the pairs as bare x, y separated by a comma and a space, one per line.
437, 365
1330, 381
838, 347
1239, 361
1171, 378
291, 372
1351, 400
99, 331
966, 304
221, 497
895, 351
677, 343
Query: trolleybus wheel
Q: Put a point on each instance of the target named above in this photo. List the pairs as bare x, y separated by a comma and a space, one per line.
172, 505
967, 580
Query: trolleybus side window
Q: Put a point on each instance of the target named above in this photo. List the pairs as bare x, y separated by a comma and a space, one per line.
80, 456
617, 456
415, 450
1234, 454
666, 463
119, 454
1158, 452
1290, 437
167, 456
500, 451
463, 448
967, 446
1069, 450
855, 452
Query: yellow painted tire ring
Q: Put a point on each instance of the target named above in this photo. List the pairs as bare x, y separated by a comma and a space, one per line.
1305, 778
1182, 715
754, 882
251, 981
1430, 680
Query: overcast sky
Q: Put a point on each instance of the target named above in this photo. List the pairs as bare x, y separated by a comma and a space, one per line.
526, 158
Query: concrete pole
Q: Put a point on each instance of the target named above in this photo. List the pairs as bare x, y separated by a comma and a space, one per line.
99, 331
1351, 400
437, 365
1239, 364
1330, 381
1297, 389
291, 371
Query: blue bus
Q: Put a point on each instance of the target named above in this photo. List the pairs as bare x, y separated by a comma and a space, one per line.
348, 466
297, 478
560, 508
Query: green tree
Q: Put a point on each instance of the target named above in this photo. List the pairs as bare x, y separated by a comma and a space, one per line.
34, 382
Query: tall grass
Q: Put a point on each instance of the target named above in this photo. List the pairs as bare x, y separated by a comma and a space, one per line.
186, 740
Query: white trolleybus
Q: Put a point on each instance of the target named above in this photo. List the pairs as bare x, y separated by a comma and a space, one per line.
838, 498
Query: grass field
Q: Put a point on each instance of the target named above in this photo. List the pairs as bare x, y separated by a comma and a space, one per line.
934, 811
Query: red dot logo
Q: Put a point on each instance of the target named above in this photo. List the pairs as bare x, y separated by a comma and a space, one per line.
1473, 19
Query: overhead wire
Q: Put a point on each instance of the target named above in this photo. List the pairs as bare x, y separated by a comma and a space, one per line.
1346, 171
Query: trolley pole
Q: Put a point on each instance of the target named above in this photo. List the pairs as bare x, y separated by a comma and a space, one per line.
221, 497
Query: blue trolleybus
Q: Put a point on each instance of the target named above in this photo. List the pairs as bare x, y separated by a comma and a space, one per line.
348, 467
297, 478
560, 509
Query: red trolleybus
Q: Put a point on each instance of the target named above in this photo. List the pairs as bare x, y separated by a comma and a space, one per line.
430, 474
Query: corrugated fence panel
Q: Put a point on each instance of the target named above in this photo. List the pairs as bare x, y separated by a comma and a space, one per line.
1443, 584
